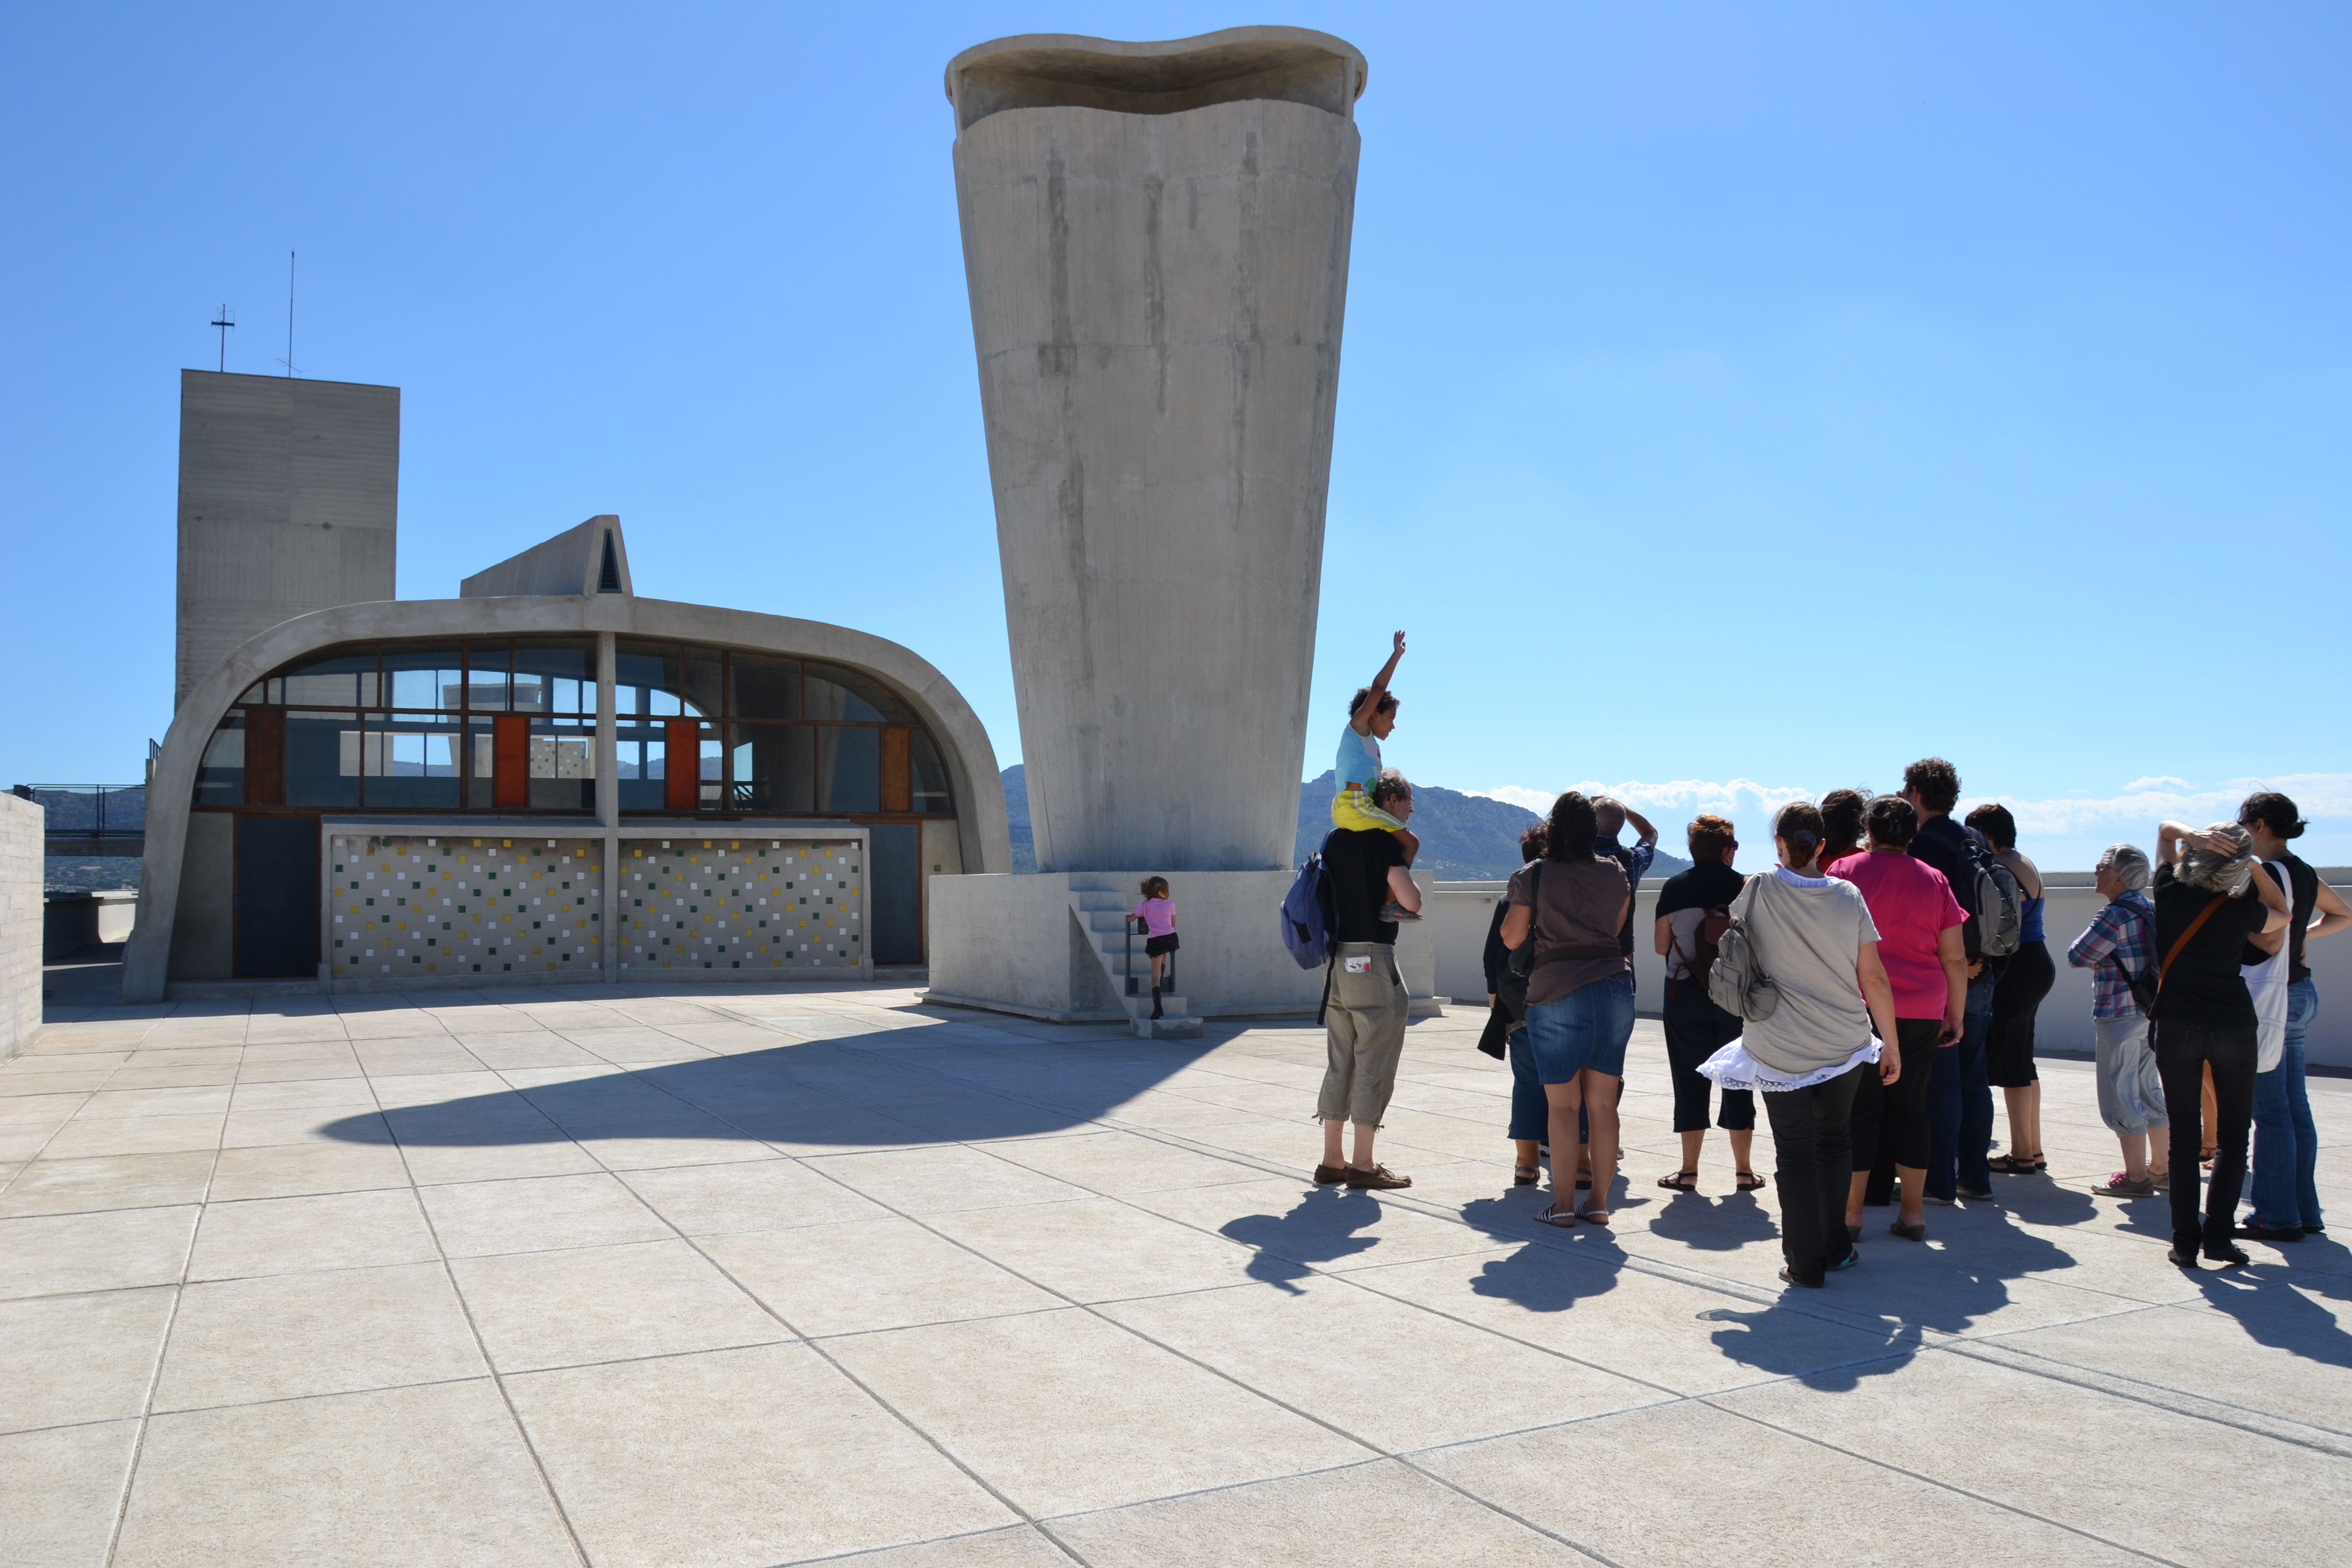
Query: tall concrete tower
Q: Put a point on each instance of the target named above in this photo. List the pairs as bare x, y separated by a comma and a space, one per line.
1156, 237
289, 496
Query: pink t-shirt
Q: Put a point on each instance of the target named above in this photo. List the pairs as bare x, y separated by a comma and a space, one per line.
1911, 906
1158, 916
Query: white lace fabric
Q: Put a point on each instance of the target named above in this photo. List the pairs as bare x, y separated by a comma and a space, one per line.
1733, 1068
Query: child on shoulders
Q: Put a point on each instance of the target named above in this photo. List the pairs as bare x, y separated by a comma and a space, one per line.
1372, 718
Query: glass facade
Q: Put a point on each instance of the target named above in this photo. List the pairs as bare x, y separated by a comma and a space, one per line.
504, 725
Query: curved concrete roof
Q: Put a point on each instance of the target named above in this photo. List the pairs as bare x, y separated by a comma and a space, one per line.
970, 758
1042, 70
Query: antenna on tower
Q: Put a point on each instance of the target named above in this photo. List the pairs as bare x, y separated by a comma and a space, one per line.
289, 360
224, 321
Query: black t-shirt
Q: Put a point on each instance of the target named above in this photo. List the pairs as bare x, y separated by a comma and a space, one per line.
1944, 844
2294, 889
1358, 864
1708, 885
2203, 987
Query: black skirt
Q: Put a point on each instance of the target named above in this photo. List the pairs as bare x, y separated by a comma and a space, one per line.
2009, 1044
1154, 946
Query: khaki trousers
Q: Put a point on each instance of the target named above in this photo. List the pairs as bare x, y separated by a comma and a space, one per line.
1364, 1027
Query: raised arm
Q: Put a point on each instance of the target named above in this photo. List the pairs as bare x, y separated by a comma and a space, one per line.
2171, 835
1643, 831
1361, 719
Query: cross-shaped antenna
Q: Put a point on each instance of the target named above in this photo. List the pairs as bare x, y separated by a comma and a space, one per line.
224, 321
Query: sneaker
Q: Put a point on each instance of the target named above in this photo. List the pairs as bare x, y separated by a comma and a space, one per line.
2163, 1179
1393, 911
1939, 1203
1330, 1176
1975, 1195
2251, 1231
2120, 1185
1378, 1179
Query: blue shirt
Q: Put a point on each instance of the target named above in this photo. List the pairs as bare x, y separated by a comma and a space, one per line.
1358, 764
1636, 861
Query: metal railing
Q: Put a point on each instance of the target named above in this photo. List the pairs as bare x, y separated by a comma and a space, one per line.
1131, 927
90, 811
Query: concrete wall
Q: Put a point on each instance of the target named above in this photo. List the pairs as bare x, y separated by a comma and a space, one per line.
20, 923
1463, 909
1157, 304
79, 920
571, 563
289, 496
1014, 941
155, 953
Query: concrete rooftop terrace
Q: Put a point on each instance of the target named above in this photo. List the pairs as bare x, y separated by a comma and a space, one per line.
633, 1278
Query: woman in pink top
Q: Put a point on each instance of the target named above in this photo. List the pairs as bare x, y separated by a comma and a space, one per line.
1157, 914
1919, 923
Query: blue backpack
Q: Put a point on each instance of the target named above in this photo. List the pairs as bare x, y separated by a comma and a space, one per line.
1305, 930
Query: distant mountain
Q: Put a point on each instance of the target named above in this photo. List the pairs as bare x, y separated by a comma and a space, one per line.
1463, 837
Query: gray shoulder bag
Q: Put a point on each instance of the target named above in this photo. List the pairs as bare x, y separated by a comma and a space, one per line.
1737, 982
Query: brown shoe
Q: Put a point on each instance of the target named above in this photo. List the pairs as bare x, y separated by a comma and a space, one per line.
1329, 1175
1378, 1179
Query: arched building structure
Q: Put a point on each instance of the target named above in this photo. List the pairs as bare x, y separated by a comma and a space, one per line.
550, 777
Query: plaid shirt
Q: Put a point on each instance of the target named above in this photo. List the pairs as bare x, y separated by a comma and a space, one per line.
2125, 931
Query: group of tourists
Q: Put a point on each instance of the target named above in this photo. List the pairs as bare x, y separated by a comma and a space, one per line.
1872, 988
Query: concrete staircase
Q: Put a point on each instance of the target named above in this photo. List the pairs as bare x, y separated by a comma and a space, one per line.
1100, 905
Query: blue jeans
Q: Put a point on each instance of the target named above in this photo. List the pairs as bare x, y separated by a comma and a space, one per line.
1531, 1111
2286, 1143
1960, 1102
1586, 1028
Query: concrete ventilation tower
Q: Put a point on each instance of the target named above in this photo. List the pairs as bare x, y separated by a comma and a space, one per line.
1156, 239
289, 502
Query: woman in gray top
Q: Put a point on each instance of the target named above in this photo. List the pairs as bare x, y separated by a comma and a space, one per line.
1812, 935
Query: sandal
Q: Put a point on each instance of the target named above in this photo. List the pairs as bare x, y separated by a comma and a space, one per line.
2015, 1164
1557, 1216
1680, 1181
1583, 1180
1595, 1216
1524, 1175
1746, 1180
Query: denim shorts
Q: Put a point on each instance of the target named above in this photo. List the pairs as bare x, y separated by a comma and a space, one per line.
1585, 1030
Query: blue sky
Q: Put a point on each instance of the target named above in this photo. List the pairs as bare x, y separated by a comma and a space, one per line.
1735, 399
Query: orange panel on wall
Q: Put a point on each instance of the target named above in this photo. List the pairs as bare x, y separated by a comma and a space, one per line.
896, 792
682, 764
510, 760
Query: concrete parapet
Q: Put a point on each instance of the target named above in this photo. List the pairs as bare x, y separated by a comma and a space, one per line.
21, 922
79, 920
1025, 944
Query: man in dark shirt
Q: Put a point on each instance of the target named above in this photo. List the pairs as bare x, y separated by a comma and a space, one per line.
2285, 1186
2211, 898
1695, 1028
1960, 1092
1364, 1016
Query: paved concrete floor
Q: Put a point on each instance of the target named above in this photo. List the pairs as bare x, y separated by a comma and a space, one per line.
746, 1279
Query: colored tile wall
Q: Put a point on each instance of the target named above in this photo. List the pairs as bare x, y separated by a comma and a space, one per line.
413, 906
789, 904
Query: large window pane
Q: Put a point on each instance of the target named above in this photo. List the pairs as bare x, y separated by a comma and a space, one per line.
563, 763
555, 677
642, 774
766, 687
930, 792
849, 769
488, 682
651, 683
774, 769
342, 681
835, 692
705, 687
410, 760
220, 777
426, 679
322, 758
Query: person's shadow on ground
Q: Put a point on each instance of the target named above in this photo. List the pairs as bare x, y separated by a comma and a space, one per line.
1539, 1276
2282, 1309
1718, 1224
1325, 1226
1788, 1343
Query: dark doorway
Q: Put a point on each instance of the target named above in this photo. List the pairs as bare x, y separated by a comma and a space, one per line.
277, 897
896, 881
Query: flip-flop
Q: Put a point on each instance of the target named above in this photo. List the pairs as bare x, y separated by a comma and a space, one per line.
1557, 1217
1681, 1182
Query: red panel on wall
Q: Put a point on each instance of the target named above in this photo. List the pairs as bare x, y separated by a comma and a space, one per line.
682, 764
510, 760
264, 756
896, 795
